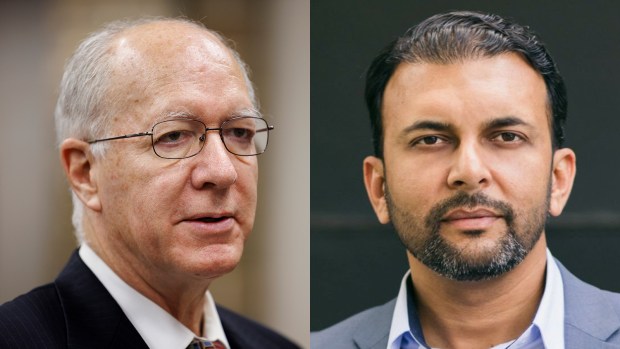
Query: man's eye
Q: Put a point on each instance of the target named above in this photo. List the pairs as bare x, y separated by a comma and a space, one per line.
507, 137
238, 134
428, 140
174, 137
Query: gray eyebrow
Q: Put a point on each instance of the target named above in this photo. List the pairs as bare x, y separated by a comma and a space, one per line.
248, 112
184, 114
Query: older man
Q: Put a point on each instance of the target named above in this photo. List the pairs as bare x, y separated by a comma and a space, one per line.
468, 111
159, 130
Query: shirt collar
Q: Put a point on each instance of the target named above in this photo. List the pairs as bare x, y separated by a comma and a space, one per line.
405, 317
548, 322
550, 315
157, 327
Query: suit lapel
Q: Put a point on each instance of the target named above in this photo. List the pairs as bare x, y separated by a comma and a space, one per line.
589, 316
236, 332
374, 334
94, 319
235, 338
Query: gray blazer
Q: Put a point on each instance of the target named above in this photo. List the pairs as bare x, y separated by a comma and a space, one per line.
591, 320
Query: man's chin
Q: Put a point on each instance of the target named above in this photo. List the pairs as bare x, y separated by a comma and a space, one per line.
213, 270
470, 263
213, 263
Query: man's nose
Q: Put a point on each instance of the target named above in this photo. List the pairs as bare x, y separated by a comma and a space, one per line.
216, 168
469, 170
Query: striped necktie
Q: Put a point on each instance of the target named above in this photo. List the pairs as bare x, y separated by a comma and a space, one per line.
201, 343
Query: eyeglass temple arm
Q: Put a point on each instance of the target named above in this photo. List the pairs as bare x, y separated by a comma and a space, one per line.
269, 128
121, 137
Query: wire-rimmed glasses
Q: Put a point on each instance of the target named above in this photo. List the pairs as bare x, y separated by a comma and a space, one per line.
184, 138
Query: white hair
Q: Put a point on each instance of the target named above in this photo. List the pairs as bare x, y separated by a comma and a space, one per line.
84, 108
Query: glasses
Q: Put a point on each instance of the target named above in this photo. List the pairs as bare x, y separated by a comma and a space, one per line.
184, 138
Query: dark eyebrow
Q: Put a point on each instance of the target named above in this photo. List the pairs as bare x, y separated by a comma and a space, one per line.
428, 125
446, 127
505, 122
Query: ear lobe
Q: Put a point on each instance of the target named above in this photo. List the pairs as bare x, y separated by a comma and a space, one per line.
374, 180
77, 161
562, 179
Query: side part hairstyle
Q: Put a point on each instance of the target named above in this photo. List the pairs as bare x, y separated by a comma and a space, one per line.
456, 37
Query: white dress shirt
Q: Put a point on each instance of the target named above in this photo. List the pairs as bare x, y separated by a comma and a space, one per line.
546, 331
157, 327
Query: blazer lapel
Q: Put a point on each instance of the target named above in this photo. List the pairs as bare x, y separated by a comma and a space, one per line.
590, 318
94, 319
235, 337
374, 334
589, 315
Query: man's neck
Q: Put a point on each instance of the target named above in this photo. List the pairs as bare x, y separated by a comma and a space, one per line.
183, 299
479, 314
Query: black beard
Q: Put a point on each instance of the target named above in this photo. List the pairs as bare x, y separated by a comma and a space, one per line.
427, 245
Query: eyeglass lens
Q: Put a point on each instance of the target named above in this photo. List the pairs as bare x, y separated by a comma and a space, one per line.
182, 138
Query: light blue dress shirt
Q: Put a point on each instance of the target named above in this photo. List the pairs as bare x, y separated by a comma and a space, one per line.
546, 331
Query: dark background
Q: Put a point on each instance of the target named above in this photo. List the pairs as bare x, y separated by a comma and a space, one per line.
357, 263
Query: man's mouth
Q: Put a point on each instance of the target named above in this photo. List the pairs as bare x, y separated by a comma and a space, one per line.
466, 214
479, 219
212, 219
212, 224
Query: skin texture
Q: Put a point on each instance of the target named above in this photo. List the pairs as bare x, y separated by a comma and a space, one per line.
477, 127
142, 211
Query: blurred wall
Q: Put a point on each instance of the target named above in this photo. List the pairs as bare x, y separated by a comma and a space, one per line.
271, 284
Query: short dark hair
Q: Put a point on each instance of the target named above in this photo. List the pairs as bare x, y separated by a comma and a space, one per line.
454, 37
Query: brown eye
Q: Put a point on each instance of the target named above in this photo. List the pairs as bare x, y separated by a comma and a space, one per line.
507, 137
427, 141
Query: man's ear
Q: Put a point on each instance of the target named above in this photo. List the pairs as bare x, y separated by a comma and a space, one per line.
562, 178
374, 179
78, 161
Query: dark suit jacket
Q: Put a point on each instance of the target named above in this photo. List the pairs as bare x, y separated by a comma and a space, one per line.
591, 321
76, 311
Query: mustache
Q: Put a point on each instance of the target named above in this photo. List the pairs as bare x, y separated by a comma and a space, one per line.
470, 201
